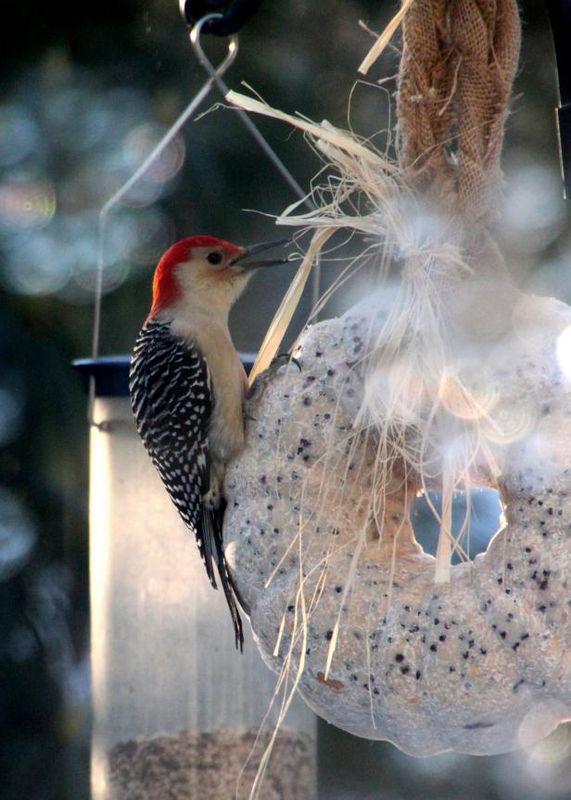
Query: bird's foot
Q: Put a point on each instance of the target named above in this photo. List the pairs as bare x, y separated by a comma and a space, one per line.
257, 388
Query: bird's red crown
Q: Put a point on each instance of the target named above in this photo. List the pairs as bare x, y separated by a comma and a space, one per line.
165, 287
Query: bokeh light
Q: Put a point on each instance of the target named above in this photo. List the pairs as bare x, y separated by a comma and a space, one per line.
533, 211
52, 188
552, 750
19, 134
139, 144
82, 124
25, 203
17, 535
511, 420
541, 770
11, 410
38, 266
553, 277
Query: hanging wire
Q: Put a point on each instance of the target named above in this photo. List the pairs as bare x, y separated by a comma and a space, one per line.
209, 68
215, 74
259, 139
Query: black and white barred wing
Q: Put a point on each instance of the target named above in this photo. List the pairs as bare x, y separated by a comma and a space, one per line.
169, 388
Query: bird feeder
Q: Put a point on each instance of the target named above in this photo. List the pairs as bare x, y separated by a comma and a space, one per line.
178, 712
446, 378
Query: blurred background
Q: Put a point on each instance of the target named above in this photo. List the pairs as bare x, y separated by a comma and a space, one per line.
87, 90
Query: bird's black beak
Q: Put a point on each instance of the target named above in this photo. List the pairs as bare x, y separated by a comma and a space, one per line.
243, 261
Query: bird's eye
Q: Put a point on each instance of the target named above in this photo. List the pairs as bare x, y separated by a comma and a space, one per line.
214, 258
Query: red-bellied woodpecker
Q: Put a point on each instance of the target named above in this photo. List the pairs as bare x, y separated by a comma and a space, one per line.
187, 385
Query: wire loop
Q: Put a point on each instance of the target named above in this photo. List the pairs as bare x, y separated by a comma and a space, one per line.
229, 19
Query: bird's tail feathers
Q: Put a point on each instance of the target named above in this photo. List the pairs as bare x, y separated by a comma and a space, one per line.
212, 550
209, 539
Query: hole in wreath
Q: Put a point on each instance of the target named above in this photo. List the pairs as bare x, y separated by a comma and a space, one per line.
474, 527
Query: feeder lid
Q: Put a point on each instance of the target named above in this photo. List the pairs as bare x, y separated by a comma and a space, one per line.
111, 373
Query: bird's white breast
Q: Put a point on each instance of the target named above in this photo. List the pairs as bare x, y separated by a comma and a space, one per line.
227, 379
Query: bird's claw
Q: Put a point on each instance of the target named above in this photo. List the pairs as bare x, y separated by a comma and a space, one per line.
281, 360
285, 358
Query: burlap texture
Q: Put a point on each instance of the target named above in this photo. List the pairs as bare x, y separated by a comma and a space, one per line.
457, 68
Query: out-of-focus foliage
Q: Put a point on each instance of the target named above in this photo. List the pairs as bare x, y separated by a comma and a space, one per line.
87, 90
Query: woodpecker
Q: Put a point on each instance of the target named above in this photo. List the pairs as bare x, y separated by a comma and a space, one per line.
187, 386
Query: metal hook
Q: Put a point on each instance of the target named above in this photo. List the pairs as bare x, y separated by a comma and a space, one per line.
204, 62
216, 77
215, 73
234, 14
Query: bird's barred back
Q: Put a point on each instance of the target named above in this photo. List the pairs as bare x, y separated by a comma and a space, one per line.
171, 401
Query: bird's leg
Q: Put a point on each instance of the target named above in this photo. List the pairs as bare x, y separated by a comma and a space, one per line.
257, 388
213, 497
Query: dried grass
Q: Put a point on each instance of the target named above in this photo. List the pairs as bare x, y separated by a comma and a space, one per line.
412, 375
